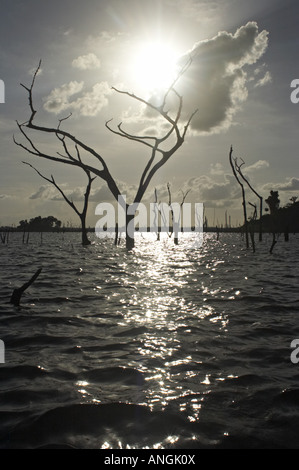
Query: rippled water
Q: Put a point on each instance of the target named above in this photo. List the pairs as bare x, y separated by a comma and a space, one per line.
164, 347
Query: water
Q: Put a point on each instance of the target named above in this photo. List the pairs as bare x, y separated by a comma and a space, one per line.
165, 347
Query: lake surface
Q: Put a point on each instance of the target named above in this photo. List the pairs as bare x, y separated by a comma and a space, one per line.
165, 347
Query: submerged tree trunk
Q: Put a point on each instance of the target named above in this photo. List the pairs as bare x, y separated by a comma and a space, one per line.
85, 239
130, 231
261, 220
274, 241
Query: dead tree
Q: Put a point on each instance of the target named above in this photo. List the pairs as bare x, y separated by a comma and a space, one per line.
5, 237
159, 155
238, 168
17, 293
273, 202
252, 222
156, 224
83, 214
175, 223
233, 165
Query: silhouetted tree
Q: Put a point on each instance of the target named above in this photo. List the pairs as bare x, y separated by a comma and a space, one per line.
294, 199
159, 154
40, 224
273, 202
233, 165
174, 230
83, 214
239, 170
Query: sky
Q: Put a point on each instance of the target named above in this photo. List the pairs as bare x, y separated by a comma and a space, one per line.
244, 57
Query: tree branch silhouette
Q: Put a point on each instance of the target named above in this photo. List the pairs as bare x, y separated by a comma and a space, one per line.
158, 157
83, 214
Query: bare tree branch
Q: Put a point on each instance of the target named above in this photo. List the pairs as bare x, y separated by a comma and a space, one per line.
159, 156
152, 168
233, 165
82, 215
238, 169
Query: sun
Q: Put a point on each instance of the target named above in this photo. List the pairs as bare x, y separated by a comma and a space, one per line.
154, 65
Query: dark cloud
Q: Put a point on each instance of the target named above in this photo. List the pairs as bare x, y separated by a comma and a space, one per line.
215, 82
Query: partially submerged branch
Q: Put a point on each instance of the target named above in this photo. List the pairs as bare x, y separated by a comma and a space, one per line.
17, 293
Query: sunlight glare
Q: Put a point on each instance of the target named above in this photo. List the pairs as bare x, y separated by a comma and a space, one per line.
154, 65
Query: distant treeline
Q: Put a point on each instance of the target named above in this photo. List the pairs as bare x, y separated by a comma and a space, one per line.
281, 219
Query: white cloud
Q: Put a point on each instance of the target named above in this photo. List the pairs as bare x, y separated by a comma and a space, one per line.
91, 103
291, 184
87, 62
97, 195
58, 100
88, 104
32, 71
256, 166
267, 78
217, 169
44, 192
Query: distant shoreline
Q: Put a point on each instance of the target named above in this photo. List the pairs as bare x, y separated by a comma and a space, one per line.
92, 230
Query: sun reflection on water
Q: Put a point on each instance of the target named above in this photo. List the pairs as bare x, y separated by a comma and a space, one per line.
166, 295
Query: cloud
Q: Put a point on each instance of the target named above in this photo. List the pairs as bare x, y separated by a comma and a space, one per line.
197, 9
87, 62
58, 100
88, 104
213, 193
267, 78
256, 166
4, 197
33, 70
291, 184
44, 192
97, 195
217, 169
215, 82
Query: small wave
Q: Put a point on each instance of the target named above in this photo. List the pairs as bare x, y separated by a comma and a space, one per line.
75, 425
21, 372
132, 332
124, 375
